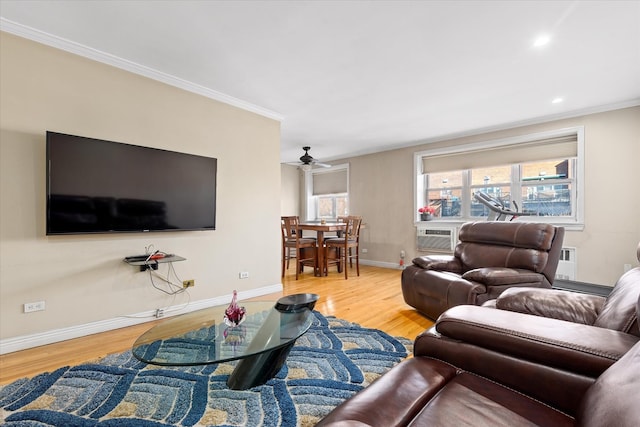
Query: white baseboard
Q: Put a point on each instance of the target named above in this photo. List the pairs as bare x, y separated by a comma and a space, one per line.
382, 264
10, 345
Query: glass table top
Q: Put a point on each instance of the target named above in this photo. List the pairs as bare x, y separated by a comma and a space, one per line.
202, 337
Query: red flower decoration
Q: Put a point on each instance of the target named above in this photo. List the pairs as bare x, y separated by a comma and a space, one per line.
427, 210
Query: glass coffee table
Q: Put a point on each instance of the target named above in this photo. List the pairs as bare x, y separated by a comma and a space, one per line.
261, 343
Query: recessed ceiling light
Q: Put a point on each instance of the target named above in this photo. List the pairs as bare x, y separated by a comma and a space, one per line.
541, 40
557, 100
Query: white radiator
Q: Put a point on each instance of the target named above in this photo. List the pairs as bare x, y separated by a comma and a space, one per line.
440, 239
567, 265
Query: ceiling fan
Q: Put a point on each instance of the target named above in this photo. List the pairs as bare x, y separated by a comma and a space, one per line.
307, 162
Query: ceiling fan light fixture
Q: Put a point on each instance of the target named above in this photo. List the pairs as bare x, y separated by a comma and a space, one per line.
306, 157
307, 162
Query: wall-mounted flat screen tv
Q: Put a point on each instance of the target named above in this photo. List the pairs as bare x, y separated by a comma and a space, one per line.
97, 186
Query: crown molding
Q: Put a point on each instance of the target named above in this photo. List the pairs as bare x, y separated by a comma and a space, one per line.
633, 102
106, 58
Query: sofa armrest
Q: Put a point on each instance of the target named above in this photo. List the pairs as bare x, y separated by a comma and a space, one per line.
497, 276
439, 262
536, 380
552, 303
527, 353
582, 349
395, 398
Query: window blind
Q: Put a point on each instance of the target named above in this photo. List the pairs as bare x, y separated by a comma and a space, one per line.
330, 182
551, 148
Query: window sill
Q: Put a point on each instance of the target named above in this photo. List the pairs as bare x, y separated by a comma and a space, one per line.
568, 226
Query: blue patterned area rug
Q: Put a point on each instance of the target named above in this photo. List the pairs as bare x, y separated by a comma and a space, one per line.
328, 364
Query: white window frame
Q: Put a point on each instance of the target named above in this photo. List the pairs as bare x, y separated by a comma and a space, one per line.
310, 199
576, 222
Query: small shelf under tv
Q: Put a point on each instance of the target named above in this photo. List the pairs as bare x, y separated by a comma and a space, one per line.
152, 263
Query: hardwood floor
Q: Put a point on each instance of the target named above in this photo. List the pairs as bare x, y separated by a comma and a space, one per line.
373, 300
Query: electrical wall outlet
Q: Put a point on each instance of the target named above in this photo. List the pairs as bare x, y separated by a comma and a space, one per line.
188, 283
365, 250
244, 275
33, 306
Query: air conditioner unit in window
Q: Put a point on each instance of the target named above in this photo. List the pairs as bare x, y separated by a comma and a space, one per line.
436, 239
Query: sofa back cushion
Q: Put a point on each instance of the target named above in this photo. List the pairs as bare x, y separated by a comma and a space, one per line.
523, 245
619, 310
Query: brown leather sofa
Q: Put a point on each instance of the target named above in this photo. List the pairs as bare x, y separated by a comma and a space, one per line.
492, 256
616, 311
479, 366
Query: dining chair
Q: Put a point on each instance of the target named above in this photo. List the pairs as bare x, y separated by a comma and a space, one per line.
343, 220
287, 227
339, 220
305, 248
345, 246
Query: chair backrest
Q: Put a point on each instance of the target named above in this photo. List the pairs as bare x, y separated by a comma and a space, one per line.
613, 399
528, 245
353, 227
288, 226
619, 309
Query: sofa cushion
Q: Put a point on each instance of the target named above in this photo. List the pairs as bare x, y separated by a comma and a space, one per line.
530, 235
552, 303
475, 255
502, 276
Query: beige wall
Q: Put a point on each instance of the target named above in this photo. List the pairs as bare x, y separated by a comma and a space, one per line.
83, 278
381, 189
290, 190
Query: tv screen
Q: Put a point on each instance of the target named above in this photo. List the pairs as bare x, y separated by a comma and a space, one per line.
97, 186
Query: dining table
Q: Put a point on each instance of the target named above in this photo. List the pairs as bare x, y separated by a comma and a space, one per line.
320, 229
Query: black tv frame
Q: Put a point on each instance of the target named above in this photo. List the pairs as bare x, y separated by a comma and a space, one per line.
96, 186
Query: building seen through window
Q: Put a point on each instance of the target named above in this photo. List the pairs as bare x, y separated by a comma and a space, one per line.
545, 188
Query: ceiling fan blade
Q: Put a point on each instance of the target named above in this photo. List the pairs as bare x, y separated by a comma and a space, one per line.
322, 165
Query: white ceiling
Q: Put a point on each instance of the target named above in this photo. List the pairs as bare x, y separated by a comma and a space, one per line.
355, 77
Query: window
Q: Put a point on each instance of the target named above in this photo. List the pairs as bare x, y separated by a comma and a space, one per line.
445, 192
540, 173
547, 187
496, 182
331, 206
327, 192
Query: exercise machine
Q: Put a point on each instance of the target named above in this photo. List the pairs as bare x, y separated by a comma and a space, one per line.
497, 210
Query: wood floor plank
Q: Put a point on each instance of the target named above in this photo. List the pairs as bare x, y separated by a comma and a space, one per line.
373, 300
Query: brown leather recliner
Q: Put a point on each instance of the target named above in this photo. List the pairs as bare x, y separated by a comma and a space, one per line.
616, 311
491, 257
484, 367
